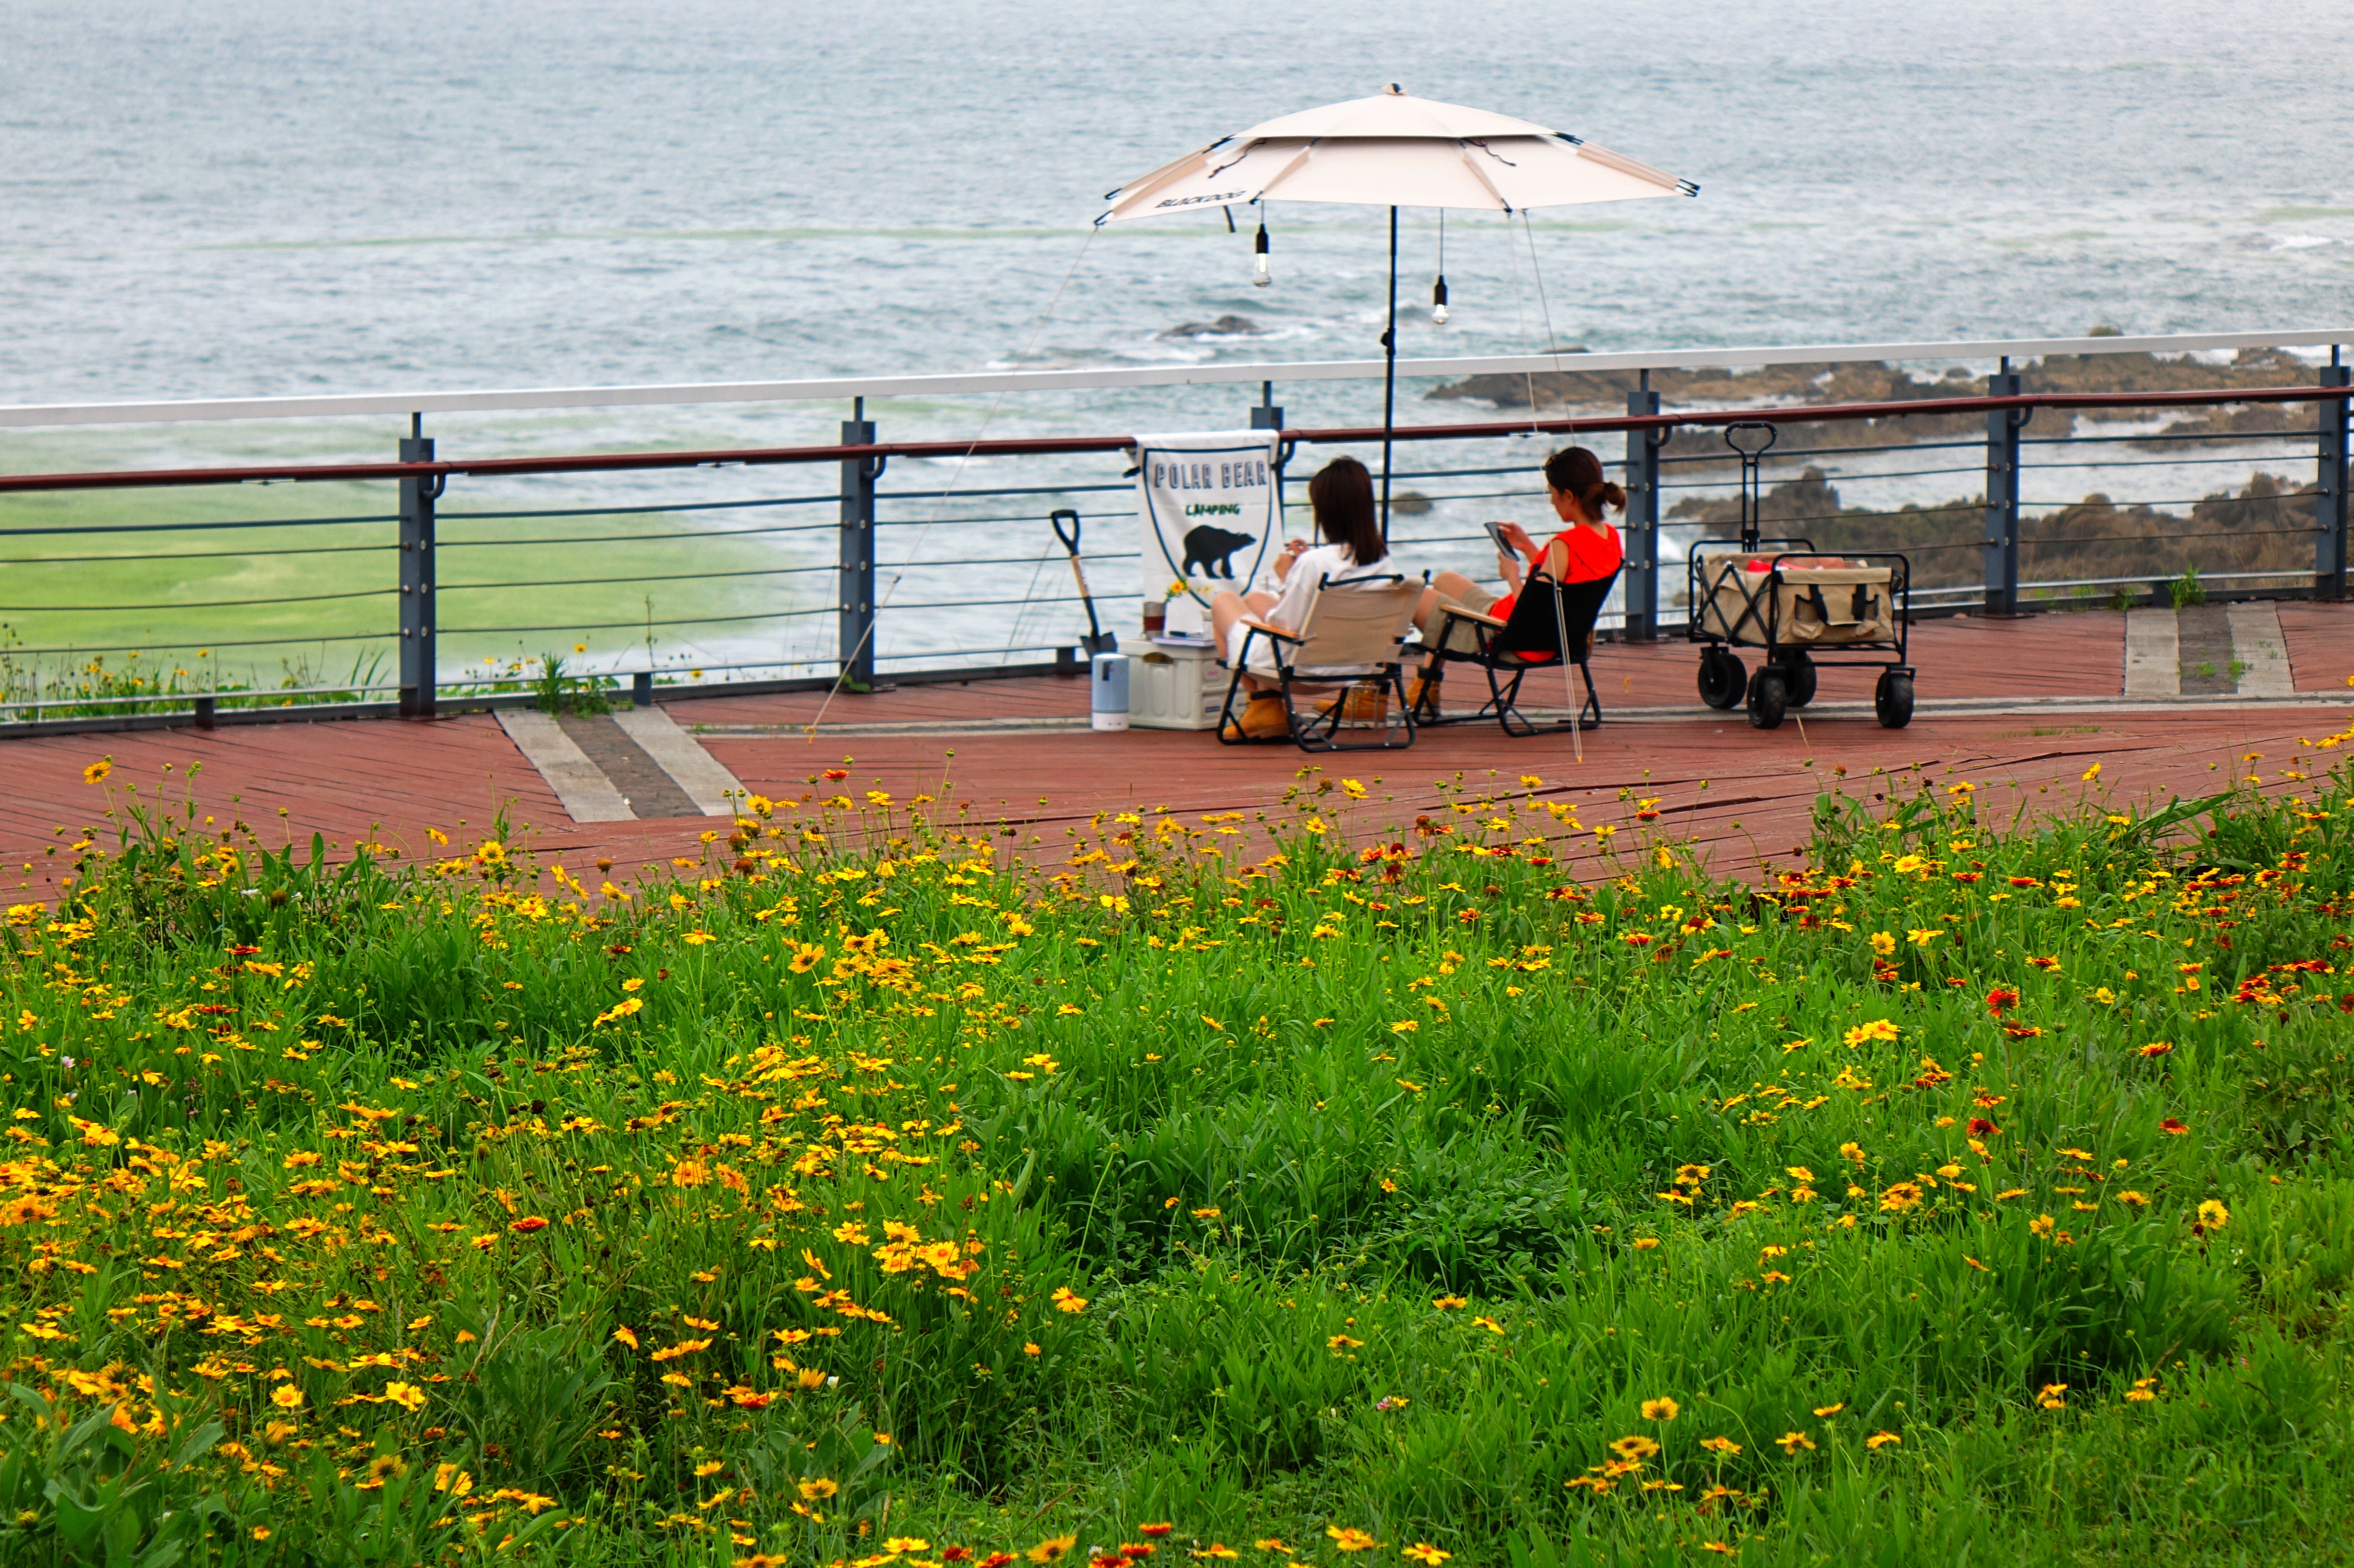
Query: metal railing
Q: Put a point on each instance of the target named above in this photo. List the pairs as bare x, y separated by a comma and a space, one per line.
1677, 485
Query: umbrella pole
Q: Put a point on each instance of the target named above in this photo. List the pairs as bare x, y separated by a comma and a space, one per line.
1389, 383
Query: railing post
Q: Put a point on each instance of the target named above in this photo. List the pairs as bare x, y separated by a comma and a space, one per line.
417, 609
857, 554
2003, 497
1641, 586
2329, 543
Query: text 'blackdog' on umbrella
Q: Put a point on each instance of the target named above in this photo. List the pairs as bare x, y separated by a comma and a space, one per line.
1392, 150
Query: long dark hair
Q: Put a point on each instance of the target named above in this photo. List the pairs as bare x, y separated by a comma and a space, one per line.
1579, 472
1341, 495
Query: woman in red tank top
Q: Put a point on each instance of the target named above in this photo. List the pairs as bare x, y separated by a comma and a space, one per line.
1588, 548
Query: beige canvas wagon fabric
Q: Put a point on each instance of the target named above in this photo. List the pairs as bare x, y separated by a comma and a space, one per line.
1830, 605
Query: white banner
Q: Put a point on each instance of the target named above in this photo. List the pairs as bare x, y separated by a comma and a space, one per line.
1206, 500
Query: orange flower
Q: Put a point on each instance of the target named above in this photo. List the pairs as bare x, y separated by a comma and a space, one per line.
529, 1223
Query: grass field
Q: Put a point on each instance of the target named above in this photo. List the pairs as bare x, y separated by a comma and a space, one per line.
1302, 1189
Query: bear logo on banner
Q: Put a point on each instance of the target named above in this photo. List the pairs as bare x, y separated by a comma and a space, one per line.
1209, 505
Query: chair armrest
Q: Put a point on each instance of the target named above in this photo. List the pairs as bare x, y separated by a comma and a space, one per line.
1263, 628
1459, 613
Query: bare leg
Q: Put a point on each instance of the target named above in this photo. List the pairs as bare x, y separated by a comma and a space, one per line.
1445, 585
1226, 607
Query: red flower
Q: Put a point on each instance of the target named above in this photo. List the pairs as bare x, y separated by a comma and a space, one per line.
2000, 998
1156, 1531
243, 952
1135, 1551
954, 1554
997, 1560
1981, 1127
2172, 1125
1638, 939
837, 774
529, 1223
2156, 1048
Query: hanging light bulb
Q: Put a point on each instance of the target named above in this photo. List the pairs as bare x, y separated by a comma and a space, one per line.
1260, 278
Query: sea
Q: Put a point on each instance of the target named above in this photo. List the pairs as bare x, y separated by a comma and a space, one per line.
239, 197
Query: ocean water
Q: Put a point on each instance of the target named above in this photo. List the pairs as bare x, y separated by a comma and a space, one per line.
261, 197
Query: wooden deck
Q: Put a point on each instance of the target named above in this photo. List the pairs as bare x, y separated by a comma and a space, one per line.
2020, 709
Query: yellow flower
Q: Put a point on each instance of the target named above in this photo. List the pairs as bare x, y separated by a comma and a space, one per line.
1878, 1029
2090, 773
407, 1396
1792, 1442
97, 771
1830, 1409
1346, 1539
1882, 1439
1066, 1301
1634, 1448
1660, 1410
1883, 943
818, 1490
286, 1396
1054, 1547
1724, 1445
2214, 1215
1425, 1553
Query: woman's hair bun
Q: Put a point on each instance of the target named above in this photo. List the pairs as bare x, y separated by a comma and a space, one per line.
1579, 472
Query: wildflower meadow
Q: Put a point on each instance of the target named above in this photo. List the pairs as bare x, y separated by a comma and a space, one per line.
1319, 1188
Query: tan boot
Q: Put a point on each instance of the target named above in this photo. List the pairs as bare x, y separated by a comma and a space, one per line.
1264, 719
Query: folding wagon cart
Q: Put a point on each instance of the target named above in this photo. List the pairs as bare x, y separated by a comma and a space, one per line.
1794, 602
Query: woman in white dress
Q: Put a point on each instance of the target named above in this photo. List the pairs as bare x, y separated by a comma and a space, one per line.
1342, 497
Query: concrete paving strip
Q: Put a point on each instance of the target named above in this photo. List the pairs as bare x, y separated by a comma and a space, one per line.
2260, 650
1951, 707
587, 795
2153, 653
674, 751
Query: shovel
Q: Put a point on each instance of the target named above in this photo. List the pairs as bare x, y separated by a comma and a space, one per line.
1097, 640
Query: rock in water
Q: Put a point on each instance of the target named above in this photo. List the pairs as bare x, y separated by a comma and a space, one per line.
1225, 326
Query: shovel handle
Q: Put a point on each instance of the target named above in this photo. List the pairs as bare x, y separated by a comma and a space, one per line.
1070, 540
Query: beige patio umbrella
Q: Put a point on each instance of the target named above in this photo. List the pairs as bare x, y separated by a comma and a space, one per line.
1391, 150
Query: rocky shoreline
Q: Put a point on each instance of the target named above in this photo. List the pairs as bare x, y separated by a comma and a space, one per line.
1605, 391
2265, 525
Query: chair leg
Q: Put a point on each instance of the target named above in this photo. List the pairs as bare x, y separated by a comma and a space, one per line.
1303, 731
1507, 700
1433, 676
1593, 699
1226, 714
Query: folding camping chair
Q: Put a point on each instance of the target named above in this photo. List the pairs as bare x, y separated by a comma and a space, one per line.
1350, 639
1548, 631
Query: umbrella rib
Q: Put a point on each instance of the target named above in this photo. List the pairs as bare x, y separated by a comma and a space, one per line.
1281, 174
1462, 151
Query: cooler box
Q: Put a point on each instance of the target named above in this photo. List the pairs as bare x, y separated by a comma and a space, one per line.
1175, 686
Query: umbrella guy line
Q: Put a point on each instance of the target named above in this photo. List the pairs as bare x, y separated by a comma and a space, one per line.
956, 477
